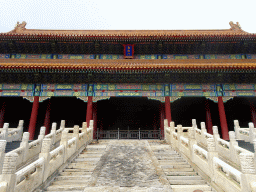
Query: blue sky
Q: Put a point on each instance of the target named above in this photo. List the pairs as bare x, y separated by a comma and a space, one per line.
132, 14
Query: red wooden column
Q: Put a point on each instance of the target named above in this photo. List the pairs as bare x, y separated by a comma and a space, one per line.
94, 120
33, 118
223, 120
89, 110
2, 115
47, 118
162, 116
208, 117
253, 114
168, 109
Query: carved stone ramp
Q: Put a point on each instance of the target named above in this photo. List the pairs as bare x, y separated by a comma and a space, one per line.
179, 173
128, 166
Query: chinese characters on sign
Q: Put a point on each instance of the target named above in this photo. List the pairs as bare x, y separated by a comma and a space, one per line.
128, 51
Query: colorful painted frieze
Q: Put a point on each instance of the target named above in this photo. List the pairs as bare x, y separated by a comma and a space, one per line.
33, 56
239, 87
153, 56
111, 56
5, 56
64, 87
75, 56
251, 56
179, 87
15, 93
223, 56
179, 56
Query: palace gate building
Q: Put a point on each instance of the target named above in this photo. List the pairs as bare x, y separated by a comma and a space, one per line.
127, 79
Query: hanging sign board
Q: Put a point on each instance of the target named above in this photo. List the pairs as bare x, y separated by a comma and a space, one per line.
128, 51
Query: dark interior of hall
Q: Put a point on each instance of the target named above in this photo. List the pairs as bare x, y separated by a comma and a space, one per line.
128, 112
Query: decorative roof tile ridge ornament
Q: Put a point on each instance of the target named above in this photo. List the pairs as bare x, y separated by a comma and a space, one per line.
21, 30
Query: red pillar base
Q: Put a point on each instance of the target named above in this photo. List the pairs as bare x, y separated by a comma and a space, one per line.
168, 110
47, 118
89, 110
2, 115
208, 117
33, 118
223, 120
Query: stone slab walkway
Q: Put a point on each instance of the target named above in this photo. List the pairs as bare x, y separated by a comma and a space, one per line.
127, 163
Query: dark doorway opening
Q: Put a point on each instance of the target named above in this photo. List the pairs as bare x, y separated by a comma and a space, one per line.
71, 109
128, 113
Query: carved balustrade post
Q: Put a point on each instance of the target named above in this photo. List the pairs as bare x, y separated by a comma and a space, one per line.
232, 144
8, 172
62, 124
84, 130
179, 134
216, 135
91, 126
248, 176
45, 153
165, 133
2, 153
237, 129
42, 133
254, 145
251, 132
20, 127
172, 129
5, 131
194, 123
53, 131
191, 141
76, 135
212, 152
24, 144
64, 141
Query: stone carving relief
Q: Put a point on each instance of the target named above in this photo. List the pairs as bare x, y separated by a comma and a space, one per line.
46, 145
210, 144
247, 163
2, 146
9, 165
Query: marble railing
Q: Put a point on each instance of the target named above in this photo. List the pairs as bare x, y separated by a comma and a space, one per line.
228, 166
11, 134
36, 173
27, 150
246, 134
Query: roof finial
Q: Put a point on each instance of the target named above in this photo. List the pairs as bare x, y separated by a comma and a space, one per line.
20, 26
235, 27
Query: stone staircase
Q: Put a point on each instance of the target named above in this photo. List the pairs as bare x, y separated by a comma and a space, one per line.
128, 165
179, 172
79, 173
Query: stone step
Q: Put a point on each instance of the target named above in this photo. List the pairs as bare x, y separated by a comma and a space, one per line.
78, 187
93, 155
70, 182
87, 159
178, 169
80, 166
77, 170
172, 162
75, 173
184, 177
86, 163
178, 166
190, 188
180, 173
79, 177
187, 182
